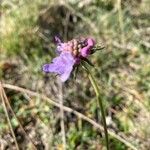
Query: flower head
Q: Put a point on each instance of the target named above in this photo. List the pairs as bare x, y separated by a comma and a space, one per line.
69, 54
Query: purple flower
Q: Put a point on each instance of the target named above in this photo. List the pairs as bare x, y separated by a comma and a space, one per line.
62, 65
69, 54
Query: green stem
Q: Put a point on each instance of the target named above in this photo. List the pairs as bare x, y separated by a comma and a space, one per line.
97, 91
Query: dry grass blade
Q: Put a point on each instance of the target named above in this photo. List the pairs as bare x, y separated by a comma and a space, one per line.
62, 114
120, 18
7, 102
80, 115
7, 116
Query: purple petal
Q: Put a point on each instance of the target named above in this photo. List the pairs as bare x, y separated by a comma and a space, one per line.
60, 47
85, 51
91, 42
57, 40
66, 74
62, 65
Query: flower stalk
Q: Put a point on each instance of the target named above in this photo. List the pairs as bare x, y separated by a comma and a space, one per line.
69, 55
100, 103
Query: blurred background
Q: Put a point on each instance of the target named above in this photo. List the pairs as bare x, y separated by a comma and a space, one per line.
122, 71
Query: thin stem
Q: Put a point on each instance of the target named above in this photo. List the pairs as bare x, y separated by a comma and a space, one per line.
62, 114
97, 91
